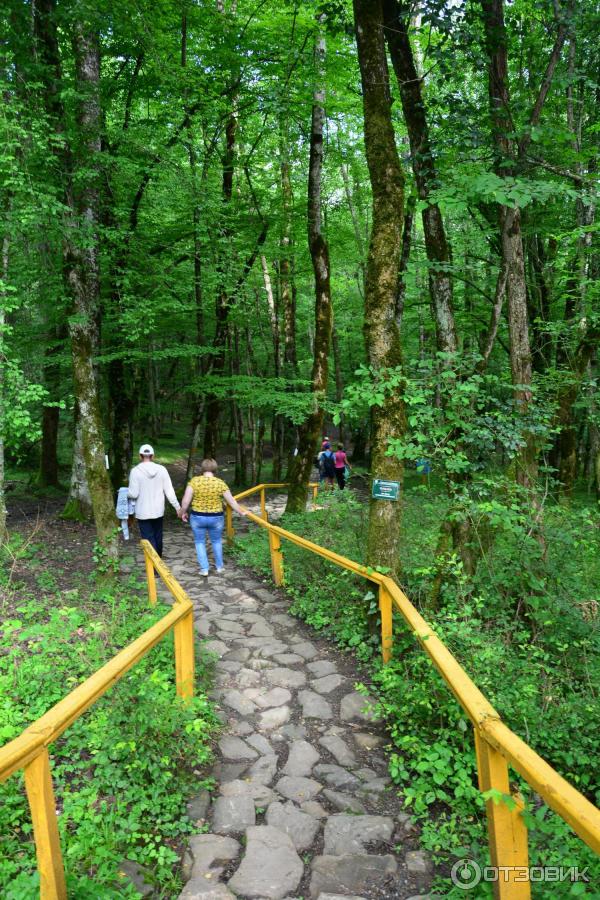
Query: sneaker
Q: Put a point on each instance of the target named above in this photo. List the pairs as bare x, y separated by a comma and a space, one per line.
220, 571
204, 572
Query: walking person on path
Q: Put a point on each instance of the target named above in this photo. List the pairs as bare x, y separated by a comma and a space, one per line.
206, 493
327, 465
149, 484
341, 462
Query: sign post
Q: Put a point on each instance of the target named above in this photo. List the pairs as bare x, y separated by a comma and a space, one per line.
385, 490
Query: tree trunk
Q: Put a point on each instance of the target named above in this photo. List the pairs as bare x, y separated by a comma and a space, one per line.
83, 277
509, 153
382, 338
3, 304
310, 430
423, 164
79, 502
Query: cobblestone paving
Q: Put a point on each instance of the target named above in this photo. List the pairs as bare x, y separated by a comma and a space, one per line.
303, 806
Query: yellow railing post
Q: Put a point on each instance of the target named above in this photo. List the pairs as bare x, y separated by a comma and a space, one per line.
276, 558
263, 503
507, 832
40, 793
229, 524
151, 578
385, 611
184, 656
314, 493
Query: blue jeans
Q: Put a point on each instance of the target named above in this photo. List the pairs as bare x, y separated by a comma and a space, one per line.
214, 526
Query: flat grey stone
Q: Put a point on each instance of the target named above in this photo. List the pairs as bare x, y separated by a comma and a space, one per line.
343, 874
271, 868
261, 629
197, 807
216, 647
260, 664
327, 684
241, 728
232, 815
200, 889
260, 743
286, 678
265, 596
301, 759
298, 789
306, 650
236, 700
314, 809
284, 620
260, 794
314, 706
349, 834
265, 699
356, 707
202, 627
321, 667
224, 772
339, 750
264, 769
248, 678
233, 627
418, 862
339, 897
367, 741
366, 774
274, 718
235, 748
337, 777
210, 852
287, 659
241, 654
293, 732
299, 826
344, 802
228, 665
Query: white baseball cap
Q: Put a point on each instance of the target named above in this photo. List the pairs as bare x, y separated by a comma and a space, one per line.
146, 450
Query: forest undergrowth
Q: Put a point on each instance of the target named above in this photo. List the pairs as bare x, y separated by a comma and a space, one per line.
124, 770
528, 635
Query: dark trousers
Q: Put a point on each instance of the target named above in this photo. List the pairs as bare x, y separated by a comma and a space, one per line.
340, 474
152, 530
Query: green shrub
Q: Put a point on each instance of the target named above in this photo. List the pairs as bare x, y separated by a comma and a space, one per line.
123, 771
540, 671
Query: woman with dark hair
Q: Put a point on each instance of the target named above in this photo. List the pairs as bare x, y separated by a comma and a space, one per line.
206, 494
341, 462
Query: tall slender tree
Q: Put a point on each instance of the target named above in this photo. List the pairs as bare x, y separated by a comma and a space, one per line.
382, 337
311, 430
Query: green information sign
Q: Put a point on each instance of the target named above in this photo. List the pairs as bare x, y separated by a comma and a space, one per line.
385, 490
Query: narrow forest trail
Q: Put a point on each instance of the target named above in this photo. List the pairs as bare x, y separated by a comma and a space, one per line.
303, 806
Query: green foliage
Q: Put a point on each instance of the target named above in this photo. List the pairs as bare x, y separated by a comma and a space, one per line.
541, 672
122, 772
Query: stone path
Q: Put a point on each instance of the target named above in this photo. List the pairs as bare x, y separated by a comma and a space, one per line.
303, 806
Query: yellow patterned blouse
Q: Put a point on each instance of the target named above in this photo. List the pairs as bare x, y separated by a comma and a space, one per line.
208, 494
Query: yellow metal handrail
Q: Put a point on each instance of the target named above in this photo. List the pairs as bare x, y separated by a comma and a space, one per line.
496, 746
29, 751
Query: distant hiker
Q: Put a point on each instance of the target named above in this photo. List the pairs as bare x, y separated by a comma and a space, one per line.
206, 493
149, 484
341, 465
325, 441
327, 465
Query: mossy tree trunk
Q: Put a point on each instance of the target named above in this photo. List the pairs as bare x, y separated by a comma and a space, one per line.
83, 277
382, 337
310, 431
